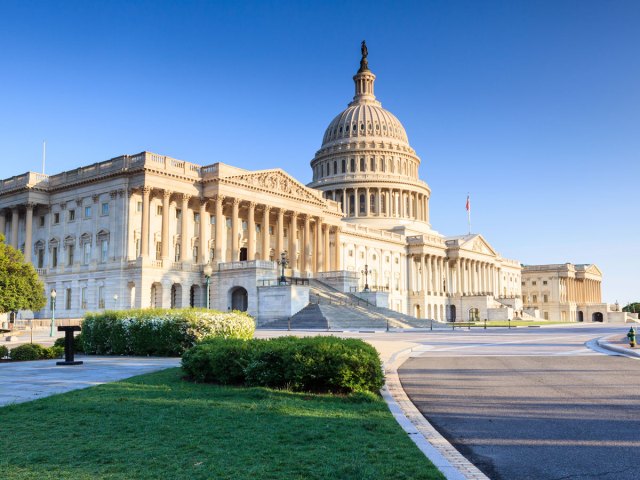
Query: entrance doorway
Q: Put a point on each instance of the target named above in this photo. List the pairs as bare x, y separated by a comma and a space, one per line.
474, 315
239, 299
580, 316
451, 316
243, 254
597, 317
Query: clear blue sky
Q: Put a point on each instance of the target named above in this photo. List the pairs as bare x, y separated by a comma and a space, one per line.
533, 107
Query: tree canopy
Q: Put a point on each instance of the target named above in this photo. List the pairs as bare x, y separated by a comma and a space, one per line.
632, 307
20, 287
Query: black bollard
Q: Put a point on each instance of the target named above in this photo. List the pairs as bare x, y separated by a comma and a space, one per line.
68, 345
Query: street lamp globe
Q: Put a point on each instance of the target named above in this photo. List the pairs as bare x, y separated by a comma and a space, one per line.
53, 294
207, 270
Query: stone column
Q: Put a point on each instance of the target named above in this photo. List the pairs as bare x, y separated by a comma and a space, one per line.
251, 232
144, 233
280, 237
221, 225
367, 204
15, 217
184, 228
306, 266
28, 233
293, 243
423, 279
345, 207
338, 250
317, 247
204, 243
326, 254
235, 230
166, 198
458, 279
266, 237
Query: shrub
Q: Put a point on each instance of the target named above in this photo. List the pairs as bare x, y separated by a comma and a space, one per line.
55, 352
160, 332
315, 364
4, 351
77, 343
29, 351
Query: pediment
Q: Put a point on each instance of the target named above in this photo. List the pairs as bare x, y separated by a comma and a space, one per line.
478, 244
276, 181
593, 269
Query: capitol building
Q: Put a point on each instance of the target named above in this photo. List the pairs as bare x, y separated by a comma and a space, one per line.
147, 230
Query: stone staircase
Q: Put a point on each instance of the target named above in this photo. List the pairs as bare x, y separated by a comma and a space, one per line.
331, 309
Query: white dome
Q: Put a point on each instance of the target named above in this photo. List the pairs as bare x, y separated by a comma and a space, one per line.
365, 120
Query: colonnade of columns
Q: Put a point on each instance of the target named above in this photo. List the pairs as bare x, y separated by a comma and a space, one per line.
581, 291
437, 275
309, 238
15, 218
381, 202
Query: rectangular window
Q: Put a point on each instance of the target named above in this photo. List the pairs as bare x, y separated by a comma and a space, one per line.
195, 254
244, 225
138, 251
196, 217
212, 219
101, 296
344, 166
67, 299
40, 258
258, 228
104, 250
544, 282
533, 283
56, 218
228, 223
159, 210
158, 250
177, 250
83, 298
139, 207
87, 253
373, 165
270, 229
178, 213
546, 315
535, 299
362, 165
41, 221
353, 165
545, 298
72, 215
70, 255
87, 212
54, 257
105, 209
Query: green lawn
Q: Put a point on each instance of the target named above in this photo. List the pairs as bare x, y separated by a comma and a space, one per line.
158, 426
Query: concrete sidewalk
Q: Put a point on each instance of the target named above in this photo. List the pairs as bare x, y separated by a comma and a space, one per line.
619, 343
25, 381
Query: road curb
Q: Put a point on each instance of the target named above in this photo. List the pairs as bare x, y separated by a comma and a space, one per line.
603, 343
452, 464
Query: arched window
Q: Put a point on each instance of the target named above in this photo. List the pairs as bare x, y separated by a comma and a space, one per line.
362, 203
362, 164
372, 167
372, 203
335, 167
344, 165
352, 201
382, 165
353, 165
383, 203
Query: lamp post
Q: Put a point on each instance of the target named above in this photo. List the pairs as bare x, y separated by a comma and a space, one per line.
365, 272
283, 262
115, 301
207, 270
53, 311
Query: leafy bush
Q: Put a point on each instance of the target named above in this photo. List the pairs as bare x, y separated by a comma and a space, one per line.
55, 352
77, 343
4, 351
160, 332
315, 364
29, 351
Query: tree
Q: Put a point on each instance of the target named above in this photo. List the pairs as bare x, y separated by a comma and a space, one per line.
632, 307
20, 287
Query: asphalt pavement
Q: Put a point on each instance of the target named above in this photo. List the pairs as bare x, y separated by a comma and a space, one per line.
534, 405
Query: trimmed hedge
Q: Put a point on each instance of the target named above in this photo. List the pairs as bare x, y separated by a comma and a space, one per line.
313, 364
34, 351
78, 346
159, 332
4, 351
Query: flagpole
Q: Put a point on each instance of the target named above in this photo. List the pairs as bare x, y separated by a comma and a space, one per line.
44, 153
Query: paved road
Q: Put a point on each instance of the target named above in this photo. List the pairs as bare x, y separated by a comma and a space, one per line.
531, 404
